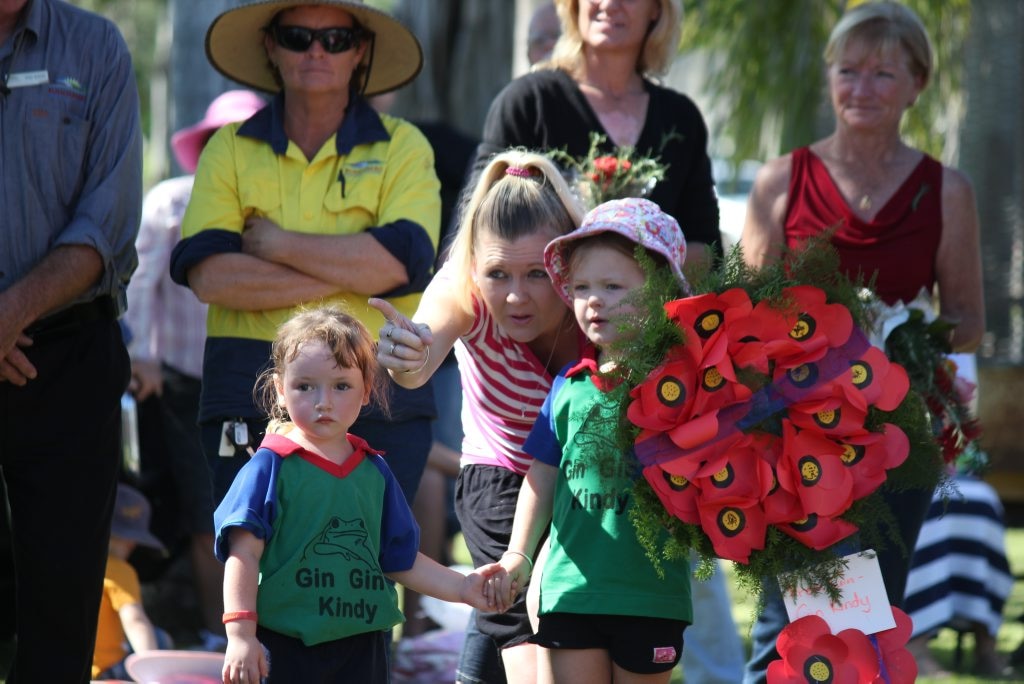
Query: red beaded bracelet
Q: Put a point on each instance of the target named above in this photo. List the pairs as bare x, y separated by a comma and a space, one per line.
239, 615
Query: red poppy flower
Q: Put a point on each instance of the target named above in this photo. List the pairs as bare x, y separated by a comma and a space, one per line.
665, 398
717, 386
899, 666
811, 466
706, 315
815, 380
782, 505
605, 169
740, 476
735, 531
678, 494
867, 456
833, 416
811, 653
816, 326
818, 532
751, 337
876, 381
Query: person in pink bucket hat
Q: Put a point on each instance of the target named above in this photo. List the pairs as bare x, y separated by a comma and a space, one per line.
590, 620
231, 106
639, 220
167, 327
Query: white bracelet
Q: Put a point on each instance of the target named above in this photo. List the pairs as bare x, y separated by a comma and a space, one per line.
519, 553
426, 360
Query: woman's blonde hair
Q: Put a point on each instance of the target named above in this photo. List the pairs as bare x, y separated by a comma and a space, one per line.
349, 341
655, 58
884, 25
518, 193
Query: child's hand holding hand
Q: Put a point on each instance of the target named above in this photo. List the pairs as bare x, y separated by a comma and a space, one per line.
481, 589
245, 660
518, 568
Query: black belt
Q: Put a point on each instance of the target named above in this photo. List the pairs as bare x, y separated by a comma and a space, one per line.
72, 319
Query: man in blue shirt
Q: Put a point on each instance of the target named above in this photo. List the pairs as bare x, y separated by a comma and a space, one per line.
70, 198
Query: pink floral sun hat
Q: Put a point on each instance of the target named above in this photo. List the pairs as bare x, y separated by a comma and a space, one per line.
640, 220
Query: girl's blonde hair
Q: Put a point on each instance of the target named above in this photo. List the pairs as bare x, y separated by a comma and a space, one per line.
531, 198
884, 25
349, 341
655, 58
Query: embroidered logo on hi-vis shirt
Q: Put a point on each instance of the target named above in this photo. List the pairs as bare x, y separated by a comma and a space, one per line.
664, 654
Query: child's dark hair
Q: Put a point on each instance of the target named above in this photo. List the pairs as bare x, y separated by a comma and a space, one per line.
349, 341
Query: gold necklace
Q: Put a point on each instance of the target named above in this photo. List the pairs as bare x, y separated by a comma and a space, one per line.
554, 346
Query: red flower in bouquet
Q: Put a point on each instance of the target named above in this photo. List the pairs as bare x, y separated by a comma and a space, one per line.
662, 402
735, 530
751, 337
739, 475
816, 532
811, 653
609, 171
921, 345
868, 455
897, 663
877, 381
677, 493
832, 416
811, 466
817, 326
707, 315
605, 169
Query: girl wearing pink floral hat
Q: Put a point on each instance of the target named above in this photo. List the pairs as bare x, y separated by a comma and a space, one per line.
606, 613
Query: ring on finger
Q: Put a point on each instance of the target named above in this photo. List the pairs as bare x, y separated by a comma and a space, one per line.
393, 345
388, 333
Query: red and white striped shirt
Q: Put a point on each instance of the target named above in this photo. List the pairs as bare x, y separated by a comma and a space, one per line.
503, 387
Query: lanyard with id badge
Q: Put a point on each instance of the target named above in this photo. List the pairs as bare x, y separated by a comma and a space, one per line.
234, 434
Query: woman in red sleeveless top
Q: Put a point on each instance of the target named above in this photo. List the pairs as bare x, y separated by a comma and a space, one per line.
899, 215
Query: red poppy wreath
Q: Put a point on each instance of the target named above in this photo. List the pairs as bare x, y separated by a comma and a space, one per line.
764, 422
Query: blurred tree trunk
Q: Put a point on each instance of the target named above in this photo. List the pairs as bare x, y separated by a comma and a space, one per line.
467, 59
993, 156
192, 81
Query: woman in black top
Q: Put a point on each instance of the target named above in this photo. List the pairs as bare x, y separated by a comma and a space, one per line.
599, 80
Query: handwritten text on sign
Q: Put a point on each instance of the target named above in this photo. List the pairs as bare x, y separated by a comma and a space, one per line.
863, 604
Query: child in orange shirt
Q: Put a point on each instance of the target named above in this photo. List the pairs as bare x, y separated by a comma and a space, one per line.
122, 615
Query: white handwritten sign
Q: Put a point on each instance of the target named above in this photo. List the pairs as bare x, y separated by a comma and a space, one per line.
863, 604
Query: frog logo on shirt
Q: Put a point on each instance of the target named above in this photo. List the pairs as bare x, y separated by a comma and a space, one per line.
345, 538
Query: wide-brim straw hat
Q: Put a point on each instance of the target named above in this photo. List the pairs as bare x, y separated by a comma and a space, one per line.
234, 44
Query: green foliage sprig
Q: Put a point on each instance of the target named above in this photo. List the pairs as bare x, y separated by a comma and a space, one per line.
600, 175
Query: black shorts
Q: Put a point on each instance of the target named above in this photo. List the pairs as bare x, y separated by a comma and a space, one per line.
642, 645
485, 501
358, 658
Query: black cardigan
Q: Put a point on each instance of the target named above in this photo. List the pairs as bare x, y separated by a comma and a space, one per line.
546, 110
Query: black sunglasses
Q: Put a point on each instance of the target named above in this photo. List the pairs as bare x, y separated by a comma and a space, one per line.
333, 40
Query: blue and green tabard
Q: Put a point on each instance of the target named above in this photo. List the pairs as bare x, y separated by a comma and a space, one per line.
331, 532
